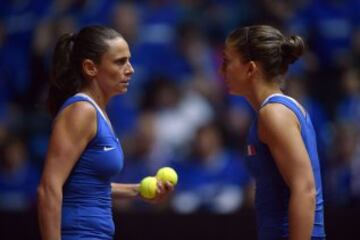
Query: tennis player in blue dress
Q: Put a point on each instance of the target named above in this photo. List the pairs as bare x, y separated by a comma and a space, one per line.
281, 152
75, 193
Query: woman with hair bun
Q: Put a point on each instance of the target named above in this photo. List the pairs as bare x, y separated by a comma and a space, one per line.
281, 151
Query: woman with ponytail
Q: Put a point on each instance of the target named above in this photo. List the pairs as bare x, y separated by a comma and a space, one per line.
281, 152
75, 193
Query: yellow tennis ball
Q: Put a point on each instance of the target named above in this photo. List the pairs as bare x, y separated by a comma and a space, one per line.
148, 187
167, 174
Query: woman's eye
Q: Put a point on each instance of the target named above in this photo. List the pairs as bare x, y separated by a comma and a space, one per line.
121, 61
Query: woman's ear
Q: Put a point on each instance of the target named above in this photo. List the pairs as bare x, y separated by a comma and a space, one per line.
252, 69
89, 68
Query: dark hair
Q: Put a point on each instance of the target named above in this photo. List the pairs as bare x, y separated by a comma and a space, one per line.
267, 45
70, 51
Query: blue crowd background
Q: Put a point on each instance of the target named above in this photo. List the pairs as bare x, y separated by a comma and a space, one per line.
177, 111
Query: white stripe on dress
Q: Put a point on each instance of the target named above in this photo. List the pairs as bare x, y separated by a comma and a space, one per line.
98, 108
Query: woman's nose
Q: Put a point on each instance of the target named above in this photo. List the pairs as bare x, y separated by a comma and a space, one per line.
130, 70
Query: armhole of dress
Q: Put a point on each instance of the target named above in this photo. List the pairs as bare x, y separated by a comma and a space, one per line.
298, 106
97, 117
99, 110
98, 125
294, 107
281, 96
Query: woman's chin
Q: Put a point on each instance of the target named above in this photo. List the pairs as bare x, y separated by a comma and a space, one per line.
120, 91
235, 93
123, 89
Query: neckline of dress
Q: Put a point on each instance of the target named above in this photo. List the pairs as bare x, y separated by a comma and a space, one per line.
277, 95
283, 95
81, 94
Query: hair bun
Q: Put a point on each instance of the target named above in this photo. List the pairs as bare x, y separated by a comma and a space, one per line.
292, 48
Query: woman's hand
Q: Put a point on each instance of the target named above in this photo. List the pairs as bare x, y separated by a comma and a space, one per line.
162, 193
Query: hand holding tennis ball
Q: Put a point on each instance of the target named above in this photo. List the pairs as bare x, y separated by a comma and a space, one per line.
167, 174
156, 189
148, 187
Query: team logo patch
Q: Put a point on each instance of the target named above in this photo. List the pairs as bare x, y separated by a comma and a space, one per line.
251, 151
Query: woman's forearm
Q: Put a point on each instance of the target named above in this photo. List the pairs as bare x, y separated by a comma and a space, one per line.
301, 215
120, 190
49, 210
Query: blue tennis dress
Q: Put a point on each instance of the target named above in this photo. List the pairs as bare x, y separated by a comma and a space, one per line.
86, 207
272, 193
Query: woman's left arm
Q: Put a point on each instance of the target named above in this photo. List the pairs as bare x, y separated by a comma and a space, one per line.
280, 130
122, 190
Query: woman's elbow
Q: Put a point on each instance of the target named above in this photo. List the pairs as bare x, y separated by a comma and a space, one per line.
47, 192
41, 192
310, 193
305, 190
43, 197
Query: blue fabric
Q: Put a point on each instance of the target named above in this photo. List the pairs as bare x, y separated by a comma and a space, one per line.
272, 193
18, 188
86, 210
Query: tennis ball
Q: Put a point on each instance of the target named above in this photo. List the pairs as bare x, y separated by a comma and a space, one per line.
167, 174
148, 187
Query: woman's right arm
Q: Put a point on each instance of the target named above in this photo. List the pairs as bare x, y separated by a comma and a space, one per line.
280, 130
73, 129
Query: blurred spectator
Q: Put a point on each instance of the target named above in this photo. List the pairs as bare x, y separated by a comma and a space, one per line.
178, 113
18, 177
276, 13
19, 19
355, 46
327, 27
126, 20
348, 109
339, 178
4, 84
39, 70
211, 178
355, 175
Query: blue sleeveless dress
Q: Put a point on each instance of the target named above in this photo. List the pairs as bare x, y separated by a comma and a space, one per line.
272, 193
87, 203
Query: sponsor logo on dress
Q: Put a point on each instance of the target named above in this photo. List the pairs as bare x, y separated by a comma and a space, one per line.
106, 148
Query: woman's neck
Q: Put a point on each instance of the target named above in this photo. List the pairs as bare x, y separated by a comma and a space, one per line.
261, 91
97, 95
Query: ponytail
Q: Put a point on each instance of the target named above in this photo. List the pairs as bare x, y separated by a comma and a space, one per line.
67, 77
64, 81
